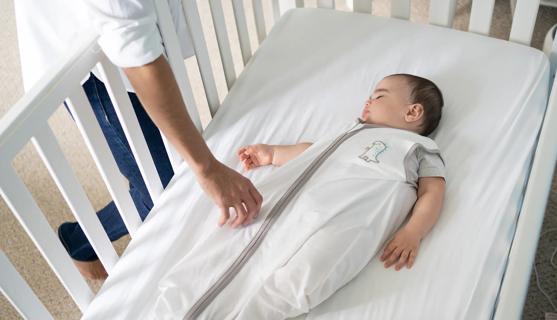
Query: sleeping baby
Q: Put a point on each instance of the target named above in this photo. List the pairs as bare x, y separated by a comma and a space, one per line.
330, 206
400, 101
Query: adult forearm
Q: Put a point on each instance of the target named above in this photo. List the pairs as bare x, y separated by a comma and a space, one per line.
158, 92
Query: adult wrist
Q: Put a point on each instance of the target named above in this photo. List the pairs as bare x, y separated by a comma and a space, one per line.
205, 168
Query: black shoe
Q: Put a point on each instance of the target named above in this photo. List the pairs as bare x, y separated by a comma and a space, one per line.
63, 230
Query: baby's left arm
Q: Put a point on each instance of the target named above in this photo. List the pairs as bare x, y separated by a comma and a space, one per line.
402, 249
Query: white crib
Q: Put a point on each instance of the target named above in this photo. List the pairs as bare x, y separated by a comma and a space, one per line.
27, 120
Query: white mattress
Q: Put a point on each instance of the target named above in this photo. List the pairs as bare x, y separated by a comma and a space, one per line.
312, 75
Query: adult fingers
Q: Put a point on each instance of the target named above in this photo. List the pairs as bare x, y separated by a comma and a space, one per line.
224, 215
240, 215
251, 207
258, 198
258, 201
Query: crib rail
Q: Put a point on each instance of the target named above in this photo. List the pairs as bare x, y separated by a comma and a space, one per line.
523, 250
242, 28
217, 14
27, 121
441, 13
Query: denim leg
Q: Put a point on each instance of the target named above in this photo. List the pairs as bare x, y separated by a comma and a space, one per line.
76, 242
71, 234
151, 134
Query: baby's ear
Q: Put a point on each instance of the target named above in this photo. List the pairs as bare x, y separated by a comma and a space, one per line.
415, 112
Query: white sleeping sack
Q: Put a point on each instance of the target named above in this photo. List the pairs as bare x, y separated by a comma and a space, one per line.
329, 229
311, 76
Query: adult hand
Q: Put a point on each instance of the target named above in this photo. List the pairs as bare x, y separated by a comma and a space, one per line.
159, 93
229, 189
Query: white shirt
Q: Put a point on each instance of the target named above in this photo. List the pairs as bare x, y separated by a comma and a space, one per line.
129, 35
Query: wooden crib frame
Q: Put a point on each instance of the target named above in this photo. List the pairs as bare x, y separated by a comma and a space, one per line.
27, 120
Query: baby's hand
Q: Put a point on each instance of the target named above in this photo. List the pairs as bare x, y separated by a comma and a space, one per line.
402, 249
256, 155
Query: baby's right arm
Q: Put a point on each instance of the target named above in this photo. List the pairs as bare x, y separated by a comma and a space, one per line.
257, 155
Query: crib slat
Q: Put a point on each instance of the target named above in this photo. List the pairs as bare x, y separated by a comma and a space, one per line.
69, 186
441, 12
363, 6
300, 3
20, 295
130, 125
98, 147
480, 16
25, 209
224, 45
328, 4
37, 105
524, 19
276, 10
257, 6
400, 9
242, 29
176, 61
553, 59
202, 54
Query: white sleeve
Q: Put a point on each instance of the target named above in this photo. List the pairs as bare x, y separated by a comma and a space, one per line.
330, 259
128, 30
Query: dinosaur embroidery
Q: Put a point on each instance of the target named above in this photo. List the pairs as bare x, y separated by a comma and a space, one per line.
372, 152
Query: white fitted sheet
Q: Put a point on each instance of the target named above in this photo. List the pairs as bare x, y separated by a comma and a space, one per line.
312, 75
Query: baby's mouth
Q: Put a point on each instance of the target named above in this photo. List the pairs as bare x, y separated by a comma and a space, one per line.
365, 113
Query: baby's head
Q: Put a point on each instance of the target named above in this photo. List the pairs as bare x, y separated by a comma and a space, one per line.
405, 101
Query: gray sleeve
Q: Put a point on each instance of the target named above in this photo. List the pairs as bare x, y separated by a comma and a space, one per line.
431, 164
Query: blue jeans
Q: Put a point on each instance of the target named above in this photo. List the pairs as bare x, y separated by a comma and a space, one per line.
70, 233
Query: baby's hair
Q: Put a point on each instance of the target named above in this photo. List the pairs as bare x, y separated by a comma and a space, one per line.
426, 93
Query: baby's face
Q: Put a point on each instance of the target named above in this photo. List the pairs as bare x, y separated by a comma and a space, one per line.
389, 105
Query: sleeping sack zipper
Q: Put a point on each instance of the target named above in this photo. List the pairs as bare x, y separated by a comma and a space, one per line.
273, 215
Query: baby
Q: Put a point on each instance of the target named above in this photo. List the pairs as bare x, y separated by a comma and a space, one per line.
399, 101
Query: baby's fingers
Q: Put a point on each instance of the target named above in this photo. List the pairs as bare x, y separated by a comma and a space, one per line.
255, 160
241, 150
402, 260
393, 257
251, 164
387, 251
245, 165
411, 259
